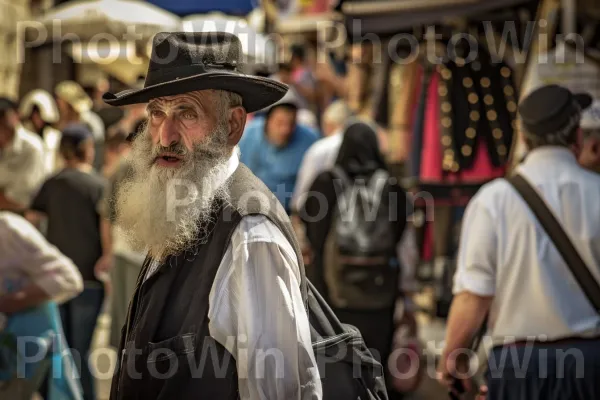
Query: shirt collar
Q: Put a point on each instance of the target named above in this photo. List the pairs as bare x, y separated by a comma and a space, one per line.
552, 154
234, 162
338, 132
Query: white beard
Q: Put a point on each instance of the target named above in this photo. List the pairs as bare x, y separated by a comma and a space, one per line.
155, 210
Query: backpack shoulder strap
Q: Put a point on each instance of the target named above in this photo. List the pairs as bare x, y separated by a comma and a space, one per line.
378, 181
563, 244
339, 174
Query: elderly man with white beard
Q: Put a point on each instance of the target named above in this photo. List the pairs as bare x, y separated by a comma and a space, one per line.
218, 312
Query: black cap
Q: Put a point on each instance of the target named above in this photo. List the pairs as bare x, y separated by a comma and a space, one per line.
6, 104
552, 108
76, 133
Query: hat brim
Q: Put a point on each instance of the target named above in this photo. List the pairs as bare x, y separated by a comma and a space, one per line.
584, 100
257, 93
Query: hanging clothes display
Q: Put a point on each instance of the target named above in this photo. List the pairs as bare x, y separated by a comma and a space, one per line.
405, 86
469, 122
416, 139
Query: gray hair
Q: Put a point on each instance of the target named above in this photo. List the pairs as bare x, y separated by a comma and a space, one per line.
337, 113
228, 99
564, 137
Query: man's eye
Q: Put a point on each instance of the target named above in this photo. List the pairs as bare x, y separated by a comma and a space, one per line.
156, 114
188, 115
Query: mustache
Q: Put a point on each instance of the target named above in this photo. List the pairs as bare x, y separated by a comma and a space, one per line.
175, 148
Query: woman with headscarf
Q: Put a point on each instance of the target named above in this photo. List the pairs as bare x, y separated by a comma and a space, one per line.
39, 114
359, 159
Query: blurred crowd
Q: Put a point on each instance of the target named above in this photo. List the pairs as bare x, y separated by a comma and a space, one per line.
63, 155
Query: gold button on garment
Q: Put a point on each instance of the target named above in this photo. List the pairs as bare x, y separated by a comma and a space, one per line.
511, 106
455, 167
505, 71
473, 98
502, 150
446, 73
460, 61
485, 82
446, 140
442, 90
448, 153
491, 115
497, 133
509, 91
468, 82
448, 165
446, 107
474, 115
446, 122
470, 133
488, 99
466, 150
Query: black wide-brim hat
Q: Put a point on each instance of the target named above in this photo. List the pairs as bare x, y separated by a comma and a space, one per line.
183, 62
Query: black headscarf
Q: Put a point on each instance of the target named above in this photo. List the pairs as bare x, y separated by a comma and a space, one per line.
359, 153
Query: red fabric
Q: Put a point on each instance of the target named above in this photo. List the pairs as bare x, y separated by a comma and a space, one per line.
431, 156
431, 152
427, 249
482, 169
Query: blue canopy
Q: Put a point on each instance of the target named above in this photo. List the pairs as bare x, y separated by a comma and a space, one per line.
188, 7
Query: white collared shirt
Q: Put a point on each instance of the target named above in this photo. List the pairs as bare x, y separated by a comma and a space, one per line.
22, 168
318, 158
27, 257
256, 295
504, 251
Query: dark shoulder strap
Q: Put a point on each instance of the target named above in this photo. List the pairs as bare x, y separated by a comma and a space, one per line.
563, 244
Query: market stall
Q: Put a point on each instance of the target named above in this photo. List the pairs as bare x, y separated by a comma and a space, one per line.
76, 38
449, 111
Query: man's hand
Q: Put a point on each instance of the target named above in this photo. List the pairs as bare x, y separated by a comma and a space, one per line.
103, 266
453, 373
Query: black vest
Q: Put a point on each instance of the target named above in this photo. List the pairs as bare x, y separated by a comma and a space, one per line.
166, 351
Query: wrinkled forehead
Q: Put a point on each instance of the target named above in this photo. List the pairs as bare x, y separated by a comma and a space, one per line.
200, 100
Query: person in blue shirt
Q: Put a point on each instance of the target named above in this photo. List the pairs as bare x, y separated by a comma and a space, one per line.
273, 146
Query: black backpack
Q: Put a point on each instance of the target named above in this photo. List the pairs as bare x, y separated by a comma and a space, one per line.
347, 368
360, 266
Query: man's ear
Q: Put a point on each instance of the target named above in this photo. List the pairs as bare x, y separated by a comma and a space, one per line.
237, 122
595, 147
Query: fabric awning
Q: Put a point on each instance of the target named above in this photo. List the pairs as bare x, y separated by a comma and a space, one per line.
259, 49
386, 17
101, 20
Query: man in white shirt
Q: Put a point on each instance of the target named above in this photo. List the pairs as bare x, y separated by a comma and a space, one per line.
22, 168
589, 157
321, 155
509, 269
32, 271
218, 311
39, 114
